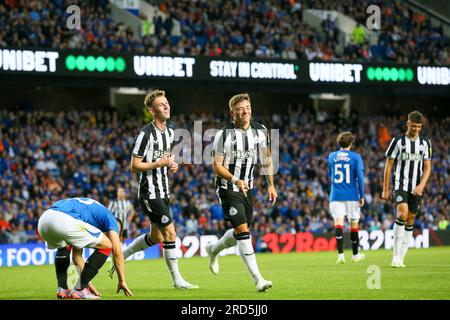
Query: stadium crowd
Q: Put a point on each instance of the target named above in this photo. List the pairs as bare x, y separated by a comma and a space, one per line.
48, 156
245, 28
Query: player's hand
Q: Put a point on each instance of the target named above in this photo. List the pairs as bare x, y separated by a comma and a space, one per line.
123, 286
243, 186
93, 290
272, 194
386, 195
173, 167
361, 202
167, 160
418, 191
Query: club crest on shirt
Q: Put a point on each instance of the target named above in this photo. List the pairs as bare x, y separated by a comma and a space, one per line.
233, 211
399, 198
164, 219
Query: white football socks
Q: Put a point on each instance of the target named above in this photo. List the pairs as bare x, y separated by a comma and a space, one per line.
170, 256
248, 255
406, 241
139, 244
399, 233
227, 241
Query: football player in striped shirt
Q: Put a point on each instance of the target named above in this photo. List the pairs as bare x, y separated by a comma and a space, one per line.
410, 156
123, 209
235, 152
151, 157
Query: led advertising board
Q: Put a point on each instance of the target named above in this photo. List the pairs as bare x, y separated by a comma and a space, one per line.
66, 63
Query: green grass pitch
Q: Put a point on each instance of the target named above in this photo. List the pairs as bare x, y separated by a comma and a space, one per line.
295, 277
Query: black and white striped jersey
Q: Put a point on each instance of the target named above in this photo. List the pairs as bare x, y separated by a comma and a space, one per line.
152, 144
408, 156
240, 149
121, 209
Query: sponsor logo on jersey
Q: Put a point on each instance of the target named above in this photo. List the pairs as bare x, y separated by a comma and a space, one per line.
244, 154
411, 156
159, 153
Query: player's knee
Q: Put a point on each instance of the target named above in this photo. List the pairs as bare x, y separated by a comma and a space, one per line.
354, 224
156, 238
410, 220
402, 215
168, 234
241, 228
402, 211
105, 243
338, 222
106, 251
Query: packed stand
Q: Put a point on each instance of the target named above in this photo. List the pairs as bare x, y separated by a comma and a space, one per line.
261, 29
46, 156
405, 36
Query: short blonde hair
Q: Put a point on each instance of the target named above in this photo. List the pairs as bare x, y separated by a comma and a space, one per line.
150, 98
238, 98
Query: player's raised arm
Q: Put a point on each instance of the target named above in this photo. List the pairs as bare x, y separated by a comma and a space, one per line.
119, 262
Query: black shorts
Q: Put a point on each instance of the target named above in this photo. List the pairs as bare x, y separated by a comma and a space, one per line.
157, 210
412, 200
238, 209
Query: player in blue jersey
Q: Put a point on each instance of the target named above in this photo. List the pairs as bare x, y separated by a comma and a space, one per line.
347, 193
77, 223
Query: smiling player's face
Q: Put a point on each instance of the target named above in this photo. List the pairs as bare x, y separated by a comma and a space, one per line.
161, 109
242, 113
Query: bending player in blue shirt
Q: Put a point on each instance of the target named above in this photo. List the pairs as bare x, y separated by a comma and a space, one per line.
347, 193
79, 223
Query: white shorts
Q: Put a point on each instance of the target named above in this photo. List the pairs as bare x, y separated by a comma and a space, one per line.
339, 209
59, 230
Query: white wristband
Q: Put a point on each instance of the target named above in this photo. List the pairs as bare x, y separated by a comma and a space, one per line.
234, 179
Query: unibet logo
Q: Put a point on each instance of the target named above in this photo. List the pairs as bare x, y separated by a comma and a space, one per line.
335, 72
156, 66
91, 63
390, 74
433, 75
28, 60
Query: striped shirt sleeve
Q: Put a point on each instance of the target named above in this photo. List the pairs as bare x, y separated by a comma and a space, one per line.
141, 144
392, 150
265, 140
428, 152
219, 144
